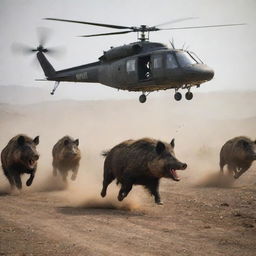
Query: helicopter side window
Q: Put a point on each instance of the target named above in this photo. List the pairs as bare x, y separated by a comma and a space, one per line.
185, 59
171, 61
130, 65
157, 62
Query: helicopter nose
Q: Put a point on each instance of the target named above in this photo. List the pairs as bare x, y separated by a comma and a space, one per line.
200, 73
206, 73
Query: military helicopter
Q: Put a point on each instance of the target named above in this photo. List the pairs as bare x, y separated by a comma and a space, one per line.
142, 66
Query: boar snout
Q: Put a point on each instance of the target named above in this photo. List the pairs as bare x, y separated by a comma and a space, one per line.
183, 166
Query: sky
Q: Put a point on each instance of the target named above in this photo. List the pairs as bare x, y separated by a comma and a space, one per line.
230, 51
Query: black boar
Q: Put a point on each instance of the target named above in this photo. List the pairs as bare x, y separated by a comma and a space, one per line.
238, 154
66, 156
140, 162
19, 157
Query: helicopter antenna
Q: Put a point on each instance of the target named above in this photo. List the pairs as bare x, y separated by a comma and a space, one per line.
172, 43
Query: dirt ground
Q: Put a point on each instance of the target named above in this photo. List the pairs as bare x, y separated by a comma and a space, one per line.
203, 214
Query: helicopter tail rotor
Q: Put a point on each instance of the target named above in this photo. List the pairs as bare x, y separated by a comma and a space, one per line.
43, 35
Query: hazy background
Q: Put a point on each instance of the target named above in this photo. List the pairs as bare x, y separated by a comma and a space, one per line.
230, 51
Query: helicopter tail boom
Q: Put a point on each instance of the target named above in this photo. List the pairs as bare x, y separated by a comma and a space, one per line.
48, 69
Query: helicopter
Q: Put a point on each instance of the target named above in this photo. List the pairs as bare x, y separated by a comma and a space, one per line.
141, 66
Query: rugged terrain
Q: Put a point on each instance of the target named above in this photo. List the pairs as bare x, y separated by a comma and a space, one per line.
203, 214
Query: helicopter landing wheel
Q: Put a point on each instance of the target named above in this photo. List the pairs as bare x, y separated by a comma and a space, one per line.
178, 96
142, 98
189, 95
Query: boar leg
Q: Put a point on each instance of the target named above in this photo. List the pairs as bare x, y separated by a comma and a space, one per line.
221, 167
231, 169
54, 171
125, 189
74, 170
10, 179
64, 175
30, 180
153, 188
17, 180
241, 171
108, 178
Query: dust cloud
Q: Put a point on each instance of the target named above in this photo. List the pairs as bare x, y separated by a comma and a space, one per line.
200, 127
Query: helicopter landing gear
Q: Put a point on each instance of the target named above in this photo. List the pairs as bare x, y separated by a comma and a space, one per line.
55, 87
189, 95
142, 98
177, 96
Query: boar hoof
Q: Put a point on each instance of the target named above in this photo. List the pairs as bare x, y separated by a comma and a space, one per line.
73, 177
29, 182
159, 203
103, 193
121, 197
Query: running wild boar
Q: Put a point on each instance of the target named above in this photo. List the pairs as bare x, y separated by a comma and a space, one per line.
18, 157
66, 156
140, 162
238, 154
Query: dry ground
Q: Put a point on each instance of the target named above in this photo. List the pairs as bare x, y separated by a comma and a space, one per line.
202, 214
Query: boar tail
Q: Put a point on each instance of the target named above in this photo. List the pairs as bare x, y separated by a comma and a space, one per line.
104, 153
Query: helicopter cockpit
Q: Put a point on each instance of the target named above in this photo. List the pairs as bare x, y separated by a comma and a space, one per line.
183, 59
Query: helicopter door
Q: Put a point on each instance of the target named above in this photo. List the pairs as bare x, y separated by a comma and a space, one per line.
144, 68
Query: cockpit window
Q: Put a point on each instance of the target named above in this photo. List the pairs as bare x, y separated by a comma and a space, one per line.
185, 59
195, 57
171, 61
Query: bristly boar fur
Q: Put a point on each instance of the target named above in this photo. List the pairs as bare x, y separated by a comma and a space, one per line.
140, 162
238, 154
19, 157
66, 156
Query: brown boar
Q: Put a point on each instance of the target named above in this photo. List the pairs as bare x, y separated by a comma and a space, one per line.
238, 154
140, 162
66, 156
18, 157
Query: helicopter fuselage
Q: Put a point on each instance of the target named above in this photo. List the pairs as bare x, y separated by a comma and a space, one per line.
141, 66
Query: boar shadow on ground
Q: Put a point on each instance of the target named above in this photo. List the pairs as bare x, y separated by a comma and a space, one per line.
106, 209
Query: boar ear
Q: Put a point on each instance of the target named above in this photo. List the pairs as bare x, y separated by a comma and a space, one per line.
160, 147
36, 140
66, 142
76, 142
172, 143
255, 142
21, 140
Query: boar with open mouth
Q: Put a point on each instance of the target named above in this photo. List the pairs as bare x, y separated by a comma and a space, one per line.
140, 162
18, 157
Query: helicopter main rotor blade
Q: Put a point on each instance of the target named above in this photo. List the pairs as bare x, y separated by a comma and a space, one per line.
107, 34
175, 21
210, 26
91, 23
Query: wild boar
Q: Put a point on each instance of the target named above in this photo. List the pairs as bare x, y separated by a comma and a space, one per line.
18, 157
238, 154
140, 162
66, 156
